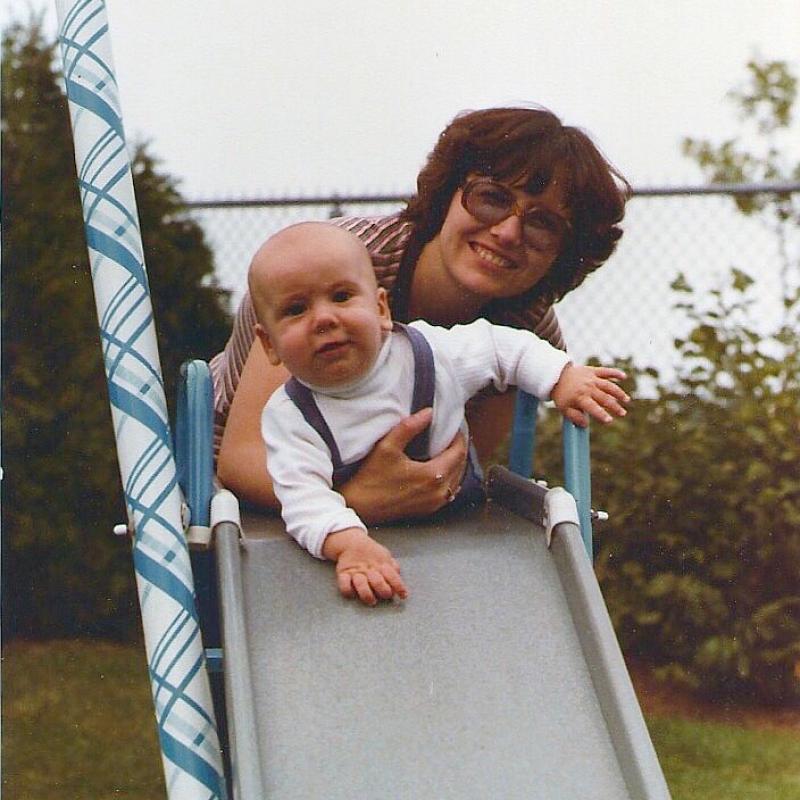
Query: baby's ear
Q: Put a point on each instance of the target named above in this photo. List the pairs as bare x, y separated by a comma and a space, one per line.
383, 309
266, 344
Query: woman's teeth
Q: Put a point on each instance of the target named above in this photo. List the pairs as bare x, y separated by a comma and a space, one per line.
488, 255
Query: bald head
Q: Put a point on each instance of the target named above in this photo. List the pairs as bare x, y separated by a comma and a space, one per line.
320, 311
301, 249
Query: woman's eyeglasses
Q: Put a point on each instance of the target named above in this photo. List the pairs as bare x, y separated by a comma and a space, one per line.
491, 202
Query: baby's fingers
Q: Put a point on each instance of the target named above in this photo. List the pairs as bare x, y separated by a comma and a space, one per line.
379, 585
384, 583
391, 574
610, 373
576, 417
610, 388
356, 584
596, 411
362, 588
344, 580
610, 405
601, 407
366, 586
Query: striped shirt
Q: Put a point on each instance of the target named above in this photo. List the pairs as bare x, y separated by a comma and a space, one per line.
386, 239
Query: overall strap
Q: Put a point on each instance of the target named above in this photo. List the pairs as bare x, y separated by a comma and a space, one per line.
303, 398
424, 385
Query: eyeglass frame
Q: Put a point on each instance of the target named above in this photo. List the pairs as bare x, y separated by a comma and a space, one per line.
517, 211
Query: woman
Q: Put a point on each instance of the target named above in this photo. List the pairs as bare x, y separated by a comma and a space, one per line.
512, 211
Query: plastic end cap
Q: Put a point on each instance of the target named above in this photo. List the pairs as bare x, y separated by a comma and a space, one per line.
559, 506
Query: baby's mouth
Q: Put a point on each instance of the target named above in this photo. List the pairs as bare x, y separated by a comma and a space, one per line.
331, 347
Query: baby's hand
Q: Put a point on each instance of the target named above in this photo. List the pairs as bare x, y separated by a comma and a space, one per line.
590, 390
364, 568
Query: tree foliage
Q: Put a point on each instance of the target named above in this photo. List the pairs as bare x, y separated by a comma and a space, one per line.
64, 573
766, 147
700, 563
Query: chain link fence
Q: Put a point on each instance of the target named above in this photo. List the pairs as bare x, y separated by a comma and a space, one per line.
626, 308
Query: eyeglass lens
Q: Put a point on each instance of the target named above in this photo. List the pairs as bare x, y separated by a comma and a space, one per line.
491, 202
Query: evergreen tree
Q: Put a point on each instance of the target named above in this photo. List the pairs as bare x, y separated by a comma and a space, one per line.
64, 572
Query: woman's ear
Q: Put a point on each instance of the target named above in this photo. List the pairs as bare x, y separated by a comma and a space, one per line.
266, 344
383, 309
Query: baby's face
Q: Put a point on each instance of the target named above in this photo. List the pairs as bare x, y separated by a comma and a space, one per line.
323, 316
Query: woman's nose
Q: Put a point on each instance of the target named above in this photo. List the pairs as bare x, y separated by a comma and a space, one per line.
508, 230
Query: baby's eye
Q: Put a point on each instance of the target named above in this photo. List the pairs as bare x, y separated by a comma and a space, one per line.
294, 309
342, 295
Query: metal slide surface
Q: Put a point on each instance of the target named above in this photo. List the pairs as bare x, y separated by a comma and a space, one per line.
495, 679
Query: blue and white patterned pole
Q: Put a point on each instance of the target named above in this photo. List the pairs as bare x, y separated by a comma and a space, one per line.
181, 693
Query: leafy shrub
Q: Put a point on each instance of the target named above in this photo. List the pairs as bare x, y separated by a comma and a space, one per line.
700, 562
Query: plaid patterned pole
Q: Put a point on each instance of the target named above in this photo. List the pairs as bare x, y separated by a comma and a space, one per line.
181, 694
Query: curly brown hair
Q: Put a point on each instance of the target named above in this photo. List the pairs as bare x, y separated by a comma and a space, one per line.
532, 145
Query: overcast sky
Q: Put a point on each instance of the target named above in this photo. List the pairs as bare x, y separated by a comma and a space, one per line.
254, 97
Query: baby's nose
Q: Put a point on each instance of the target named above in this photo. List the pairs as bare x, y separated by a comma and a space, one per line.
324, 317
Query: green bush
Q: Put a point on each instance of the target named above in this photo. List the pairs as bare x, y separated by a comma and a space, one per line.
700, 561
64, 574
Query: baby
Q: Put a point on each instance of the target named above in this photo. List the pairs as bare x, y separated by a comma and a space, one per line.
356, 374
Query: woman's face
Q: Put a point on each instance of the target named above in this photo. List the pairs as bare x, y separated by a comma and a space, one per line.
493, 261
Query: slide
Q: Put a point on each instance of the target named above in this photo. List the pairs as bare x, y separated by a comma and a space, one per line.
499, 677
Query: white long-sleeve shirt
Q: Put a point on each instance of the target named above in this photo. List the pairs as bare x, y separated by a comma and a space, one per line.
466, 359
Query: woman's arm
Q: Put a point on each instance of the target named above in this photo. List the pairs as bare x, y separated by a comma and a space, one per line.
490, 417
242, 462
388, 486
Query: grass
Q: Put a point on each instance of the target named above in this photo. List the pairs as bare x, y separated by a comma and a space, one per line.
78, 723
705, 760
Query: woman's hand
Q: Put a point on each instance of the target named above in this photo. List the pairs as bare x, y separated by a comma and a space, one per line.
389, 485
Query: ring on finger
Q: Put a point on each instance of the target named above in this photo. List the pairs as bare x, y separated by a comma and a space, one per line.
439, 477
450, 495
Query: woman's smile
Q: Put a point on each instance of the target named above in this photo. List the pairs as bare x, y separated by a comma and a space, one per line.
493, 257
